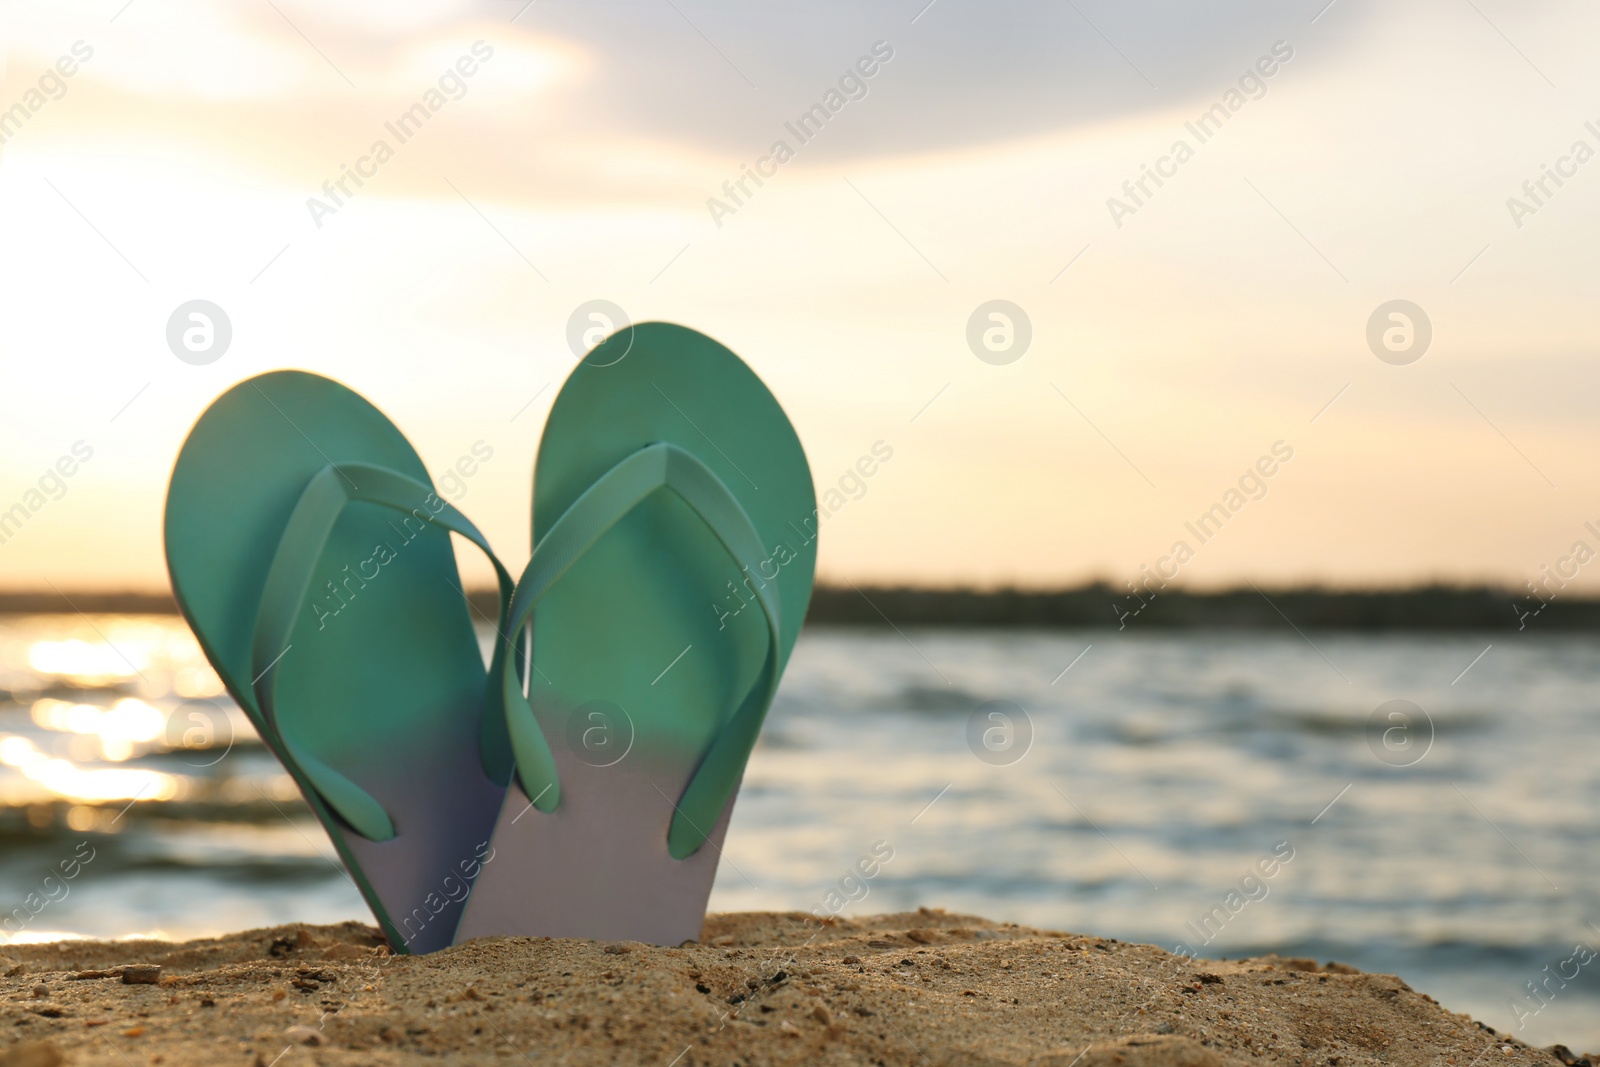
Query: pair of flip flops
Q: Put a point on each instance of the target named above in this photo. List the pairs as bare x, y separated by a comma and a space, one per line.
582, 784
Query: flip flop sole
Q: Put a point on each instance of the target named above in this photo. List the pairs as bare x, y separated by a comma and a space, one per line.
382, 677
647, 645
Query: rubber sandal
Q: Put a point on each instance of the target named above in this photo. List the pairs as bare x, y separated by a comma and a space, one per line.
675, 544
312, 559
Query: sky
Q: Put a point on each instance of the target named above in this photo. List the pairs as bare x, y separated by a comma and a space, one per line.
1182, 338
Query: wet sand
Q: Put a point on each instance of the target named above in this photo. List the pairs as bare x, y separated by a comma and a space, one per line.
926, 988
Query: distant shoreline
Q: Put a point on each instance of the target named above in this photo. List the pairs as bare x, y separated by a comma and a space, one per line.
1097, 606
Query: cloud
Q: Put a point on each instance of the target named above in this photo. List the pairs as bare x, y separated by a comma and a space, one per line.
964, 74
671, 82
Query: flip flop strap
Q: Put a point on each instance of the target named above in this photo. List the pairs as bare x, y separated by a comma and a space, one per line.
612, 496
288, 587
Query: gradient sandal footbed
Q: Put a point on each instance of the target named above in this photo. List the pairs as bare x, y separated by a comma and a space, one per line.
313, 561
675, 531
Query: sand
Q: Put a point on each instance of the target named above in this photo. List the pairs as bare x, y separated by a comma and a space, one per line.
926, 988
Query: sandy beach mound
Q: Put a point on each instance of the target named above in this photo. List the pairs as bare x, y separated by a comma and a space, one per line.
926, 988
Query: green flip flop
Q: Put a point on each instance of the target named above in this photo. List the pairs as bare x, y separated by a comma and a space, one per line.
312, 558
675, 530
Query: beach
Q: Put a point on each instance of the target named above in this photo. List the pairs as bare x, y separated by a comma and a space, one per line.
925, 987
1163, 769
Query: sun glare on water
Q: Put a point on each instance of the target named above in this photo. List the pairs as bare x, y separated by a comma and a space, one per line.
119, 728
87, 661
69, 781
